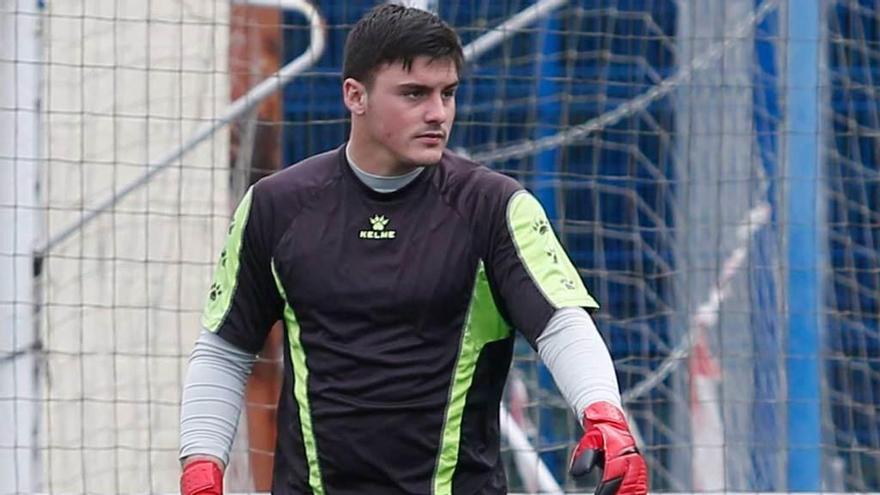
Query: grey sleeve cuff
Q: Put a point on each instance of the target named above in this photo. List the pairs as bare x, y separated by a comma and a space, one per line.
578, 359
212, 396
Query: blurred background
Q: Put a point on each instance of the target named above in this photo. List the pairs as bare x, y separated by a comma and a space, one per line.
711, 166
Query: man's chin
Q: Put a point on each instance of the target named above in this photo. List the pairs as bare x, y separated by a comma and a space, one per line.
426, 159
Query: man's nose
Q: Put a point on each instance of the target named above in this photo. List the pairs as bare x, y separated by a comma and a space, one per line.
436, 110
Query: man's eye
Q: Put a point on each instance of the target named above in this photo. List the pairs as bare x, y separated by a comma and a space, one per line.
449, 94
414, 94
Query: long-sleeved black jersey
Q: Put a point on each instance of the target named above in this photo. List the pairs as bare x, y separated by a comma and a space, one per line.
398, 309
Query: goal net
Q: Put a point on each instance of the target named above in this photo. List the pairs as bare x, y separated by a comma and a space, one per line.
658, 134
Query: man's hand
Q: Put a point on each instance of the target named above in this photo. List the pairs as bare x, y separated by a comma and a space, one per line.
202, 475
607, 443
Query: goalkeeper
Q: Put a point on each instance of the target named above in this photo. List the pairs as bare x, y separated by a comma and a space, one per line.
399, 270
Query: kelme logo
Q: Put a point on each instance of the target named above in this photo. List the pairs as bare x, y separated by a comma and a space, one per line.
378, 230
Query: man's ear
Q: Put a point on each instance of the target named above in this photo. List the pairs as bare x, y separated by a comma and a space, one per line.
354, 94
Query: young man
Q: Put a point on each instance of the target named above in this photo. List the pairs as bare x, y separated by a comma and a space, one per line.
400, 271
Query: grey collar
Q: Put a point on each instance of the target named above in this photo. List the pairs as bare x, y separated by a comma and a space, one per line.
381, 183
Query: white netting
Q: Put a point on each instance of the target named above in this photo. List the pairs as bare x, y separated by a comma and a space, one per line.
652, 130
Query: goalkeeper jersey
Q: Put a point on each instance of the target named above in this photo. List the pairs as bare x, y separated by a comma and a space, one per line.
398, 311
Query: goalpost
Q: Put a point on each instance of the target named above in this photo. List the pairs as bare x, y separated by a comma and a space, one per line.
660, 135
20, 230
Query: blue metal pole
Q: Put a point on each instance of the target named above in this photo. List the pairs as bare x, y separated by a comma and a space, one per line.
549, 110
803, 246
767, 430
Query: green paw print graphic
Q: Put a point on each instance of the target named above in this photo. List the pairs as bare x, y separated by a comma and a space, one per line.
379, 222
541, 226
550, 251
215, 291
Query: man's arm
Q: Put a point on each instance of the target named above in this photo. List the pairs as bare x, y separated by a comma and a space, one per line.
581, 365
578, 359
211, 404
535, 281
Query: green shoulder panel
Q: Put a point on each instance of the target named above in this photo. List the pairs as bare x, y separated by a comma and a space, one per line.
226, 273
543, 255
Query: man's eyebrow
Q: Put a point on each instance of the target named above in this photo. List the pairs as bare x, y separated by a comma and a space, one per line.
422, 87
413, 86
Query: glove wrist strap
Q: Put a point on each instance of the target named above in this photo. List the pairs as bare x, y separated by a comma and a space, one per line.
603, 412
201, 477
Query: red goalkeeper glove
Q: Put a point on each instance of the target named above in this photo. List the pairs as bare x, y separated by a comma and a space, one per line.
201, 477
607, 443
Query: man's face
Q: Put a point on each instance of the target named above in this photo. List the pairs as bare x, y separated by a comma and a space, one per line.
409, 114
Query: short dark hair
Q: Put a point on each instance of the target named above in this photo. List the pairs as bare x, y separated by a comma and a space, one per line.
391, 33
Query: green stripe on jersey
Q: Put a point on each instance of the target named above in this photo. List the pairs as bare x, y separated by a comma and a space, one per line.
483, 324
543, 255
226, 273
300, 391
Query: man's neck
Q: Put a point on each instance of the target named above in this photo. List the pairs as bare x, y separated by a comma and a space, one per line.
375, 161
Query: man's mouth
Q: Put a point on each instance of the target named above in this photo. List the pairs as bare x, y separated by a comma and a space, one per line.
431, 135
